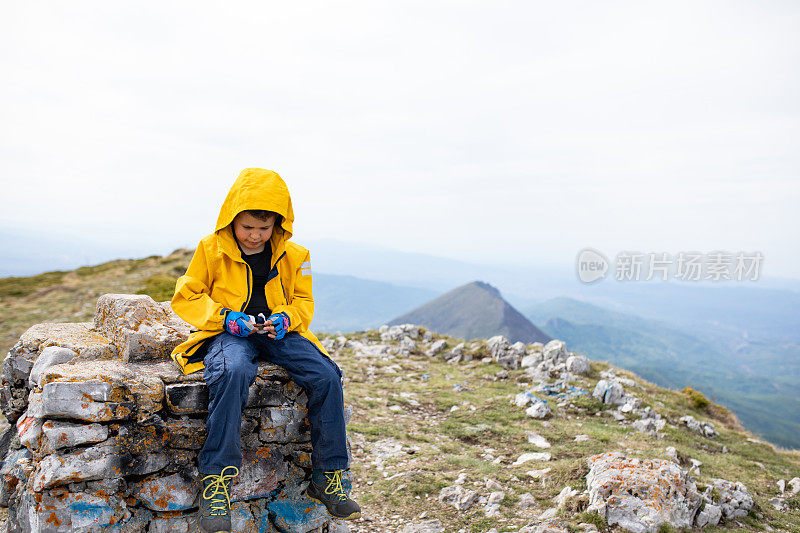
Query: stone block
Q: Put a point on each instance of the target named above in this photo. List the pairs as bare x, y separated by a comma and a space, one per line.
189, 433
530, 360
259, 474
12, 399
107, 486
84, 400
15, 470
733, 499
294, 392
78, 337
101, 461
92, 463
242, 518
556, 351
269, 371
283, 424
498, 346
704, 428
140, 465
297, 514
709, 516
177, 492
52, 355
538, 409
144, 389
137, 522
187, 398
609, 392
142, 329
267, 394
140, 439
436, 347
174, 523
70, 513
641, 495
65, 434
166, 371
18, 367
578, 364
29, 430
299, 456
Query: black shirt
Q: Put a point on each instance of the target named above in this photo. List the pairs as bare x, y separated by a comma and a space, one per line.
259, 266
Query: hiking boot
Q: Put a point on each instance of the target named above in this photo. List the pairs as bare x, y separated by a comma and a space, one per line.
326, 488
215, 503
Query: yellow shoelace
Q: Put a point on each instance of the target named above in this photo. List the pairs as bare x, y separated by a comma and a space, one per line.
335, 484
220, 499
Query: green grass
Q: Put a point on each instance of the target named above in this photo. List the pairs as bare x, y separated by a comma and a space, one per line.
592, 518
159, 288
17, 287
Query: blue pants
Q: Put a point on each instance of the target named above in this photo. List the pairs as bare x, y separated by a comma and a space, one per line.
230, 369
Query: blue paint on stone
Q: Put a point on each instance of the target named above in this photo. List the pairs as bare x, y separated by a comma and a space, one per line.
297, 515
91, 510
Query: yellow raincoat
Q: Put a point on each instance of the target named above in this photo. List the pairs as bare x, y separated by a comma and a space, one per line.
218, 279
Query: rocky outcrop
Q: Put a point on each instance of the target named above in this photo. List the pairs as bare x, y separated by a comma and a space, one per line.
636, 494
641, 495
704, 428
107, 432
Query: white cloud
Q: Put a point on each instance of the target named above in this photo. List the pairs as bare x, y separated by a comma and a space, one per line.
513, 130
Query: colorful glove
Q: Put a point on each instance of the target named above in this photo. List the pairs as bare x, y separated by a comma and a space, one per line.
281, 322
238, 324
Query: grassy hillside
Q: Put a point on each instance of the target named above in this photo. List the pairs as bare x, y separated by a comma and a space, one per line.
70, 296
766, 396
444, 419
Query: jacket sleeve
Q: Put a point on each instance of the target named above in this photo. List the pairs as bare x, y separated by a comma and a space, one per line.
301, 309
192, 301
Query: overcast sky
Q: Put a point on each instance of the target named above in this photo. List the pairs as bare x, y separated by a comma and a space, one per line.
501, 132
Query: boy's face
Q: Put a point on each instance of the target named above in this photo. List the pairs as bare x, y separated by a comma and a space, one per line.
252, 233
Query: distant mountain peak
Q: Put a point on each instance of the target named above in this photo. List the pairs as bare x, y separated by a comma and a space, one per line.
557, 322
494, 291
471, 311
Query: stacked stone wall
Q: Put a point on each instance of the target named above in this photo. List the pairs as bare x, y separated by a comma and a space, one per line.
106, 431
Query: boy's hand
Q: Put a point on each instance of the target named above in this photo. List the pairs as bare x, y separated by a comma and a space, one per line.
238, 324
260, 324
280, 325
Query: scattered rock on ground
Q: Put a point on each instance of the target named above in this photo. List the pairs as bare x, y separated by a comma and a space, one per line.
609, 392
704, 428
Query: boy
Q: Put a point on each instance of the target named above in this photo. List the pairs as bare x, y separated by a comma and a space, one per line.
248, 267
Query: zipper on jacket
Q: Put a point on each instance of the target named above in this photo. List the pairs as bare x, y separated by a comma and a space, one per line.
276, 261
285, 299
249, 292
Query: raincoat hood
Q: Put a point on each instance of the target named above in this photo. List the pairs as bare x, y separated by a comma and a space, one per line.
256, 188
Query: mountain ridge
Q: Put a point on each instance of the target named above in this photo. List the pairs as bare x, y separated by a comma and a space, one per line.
474, 310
